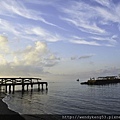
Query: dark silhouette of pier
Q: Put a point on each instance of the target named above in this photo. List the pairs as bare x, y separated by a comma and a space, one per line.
13, 82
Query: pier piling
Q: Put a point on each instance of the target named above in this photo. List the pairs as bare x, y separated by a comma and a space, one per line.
9, 88
38, 87
42, 86
13, 89
27, 87
6, 88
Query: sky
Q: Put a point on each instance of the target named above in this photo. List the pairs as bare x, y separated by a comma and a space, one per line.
59, 39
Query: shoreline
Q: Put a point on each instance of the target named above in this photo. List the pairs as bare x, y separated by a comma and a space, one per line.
6, 113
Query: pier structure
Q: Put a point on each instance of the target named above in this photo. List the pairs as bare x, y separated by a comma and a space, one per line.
13, 82
103, 80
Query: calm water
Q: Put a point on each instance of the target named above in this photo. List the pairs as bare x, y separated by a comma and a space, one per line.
67, 98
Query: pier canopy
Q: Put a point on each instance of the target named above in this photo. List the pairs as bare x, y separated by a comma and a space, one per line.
18, 80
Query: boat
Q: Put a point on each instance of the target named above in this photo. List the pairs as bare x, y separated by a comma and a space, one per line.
103, 80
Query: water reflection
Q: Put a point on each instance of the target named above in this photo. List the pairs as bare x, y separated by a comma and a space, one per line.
31, 93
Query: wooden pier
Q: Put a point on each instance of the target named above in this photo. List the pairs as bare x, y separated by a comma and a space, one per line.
12, 82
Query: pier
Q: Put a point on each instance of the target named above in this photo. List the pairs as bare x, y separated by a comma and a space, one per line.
103, 80
9, 84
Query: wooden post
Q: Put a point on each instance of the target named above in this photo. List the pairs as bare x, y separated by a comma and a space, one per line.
31, 87
46, 86
38, 87
6, 89
27, 86
22, 85
13, 89
42, 86
9, 88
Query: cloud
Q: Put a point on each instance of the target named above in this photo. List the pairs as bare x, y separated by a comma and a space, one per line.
14, 8
106, 3
32, 55
84, 17
86, 56
79, 40
46, 2
9, 27
85, 42
29, 32
30, 61
91, 18
42, 33
51, 60
108, 41
109, 71
73, 58
87, 18
4, 48
3, 60
37, 55
82, 57
8, 70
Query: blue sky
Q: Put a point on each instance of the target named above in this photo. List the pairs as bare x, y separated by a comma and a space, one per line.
59, 39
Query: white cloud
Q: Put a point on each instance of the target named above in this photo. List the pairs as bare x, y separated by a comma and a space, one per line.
30, 61
78, 40
42, 33
85, 42
14, 8
28, 31
108, 15
34, 54
45, 2
89, 18
3, 60
110, 41
4, 48
9, 27
106, 3
83, 16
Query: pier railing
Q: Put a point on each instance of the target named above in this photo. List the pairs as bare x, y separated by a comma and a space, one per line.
23, 82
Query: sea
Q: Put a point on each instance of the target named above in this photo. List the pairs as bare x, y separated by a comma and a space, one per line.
67, 97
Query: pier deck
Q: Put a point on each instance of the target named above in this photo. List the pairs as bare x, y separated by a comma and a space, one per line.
12, 82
